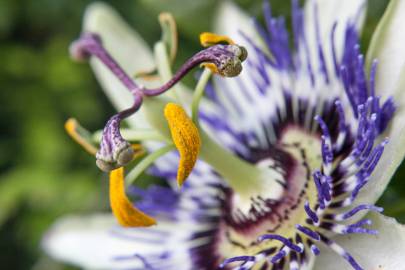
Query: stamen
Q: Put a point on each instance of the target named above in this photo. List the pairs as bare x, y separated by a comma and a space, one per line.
80, 135
114, 150
126, 214
186, 137
208, 39
198, 94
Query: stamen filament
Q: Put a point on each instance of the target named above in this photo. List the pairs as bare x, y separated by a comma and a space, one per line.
242, 176
146, 162
198, 94
164, 66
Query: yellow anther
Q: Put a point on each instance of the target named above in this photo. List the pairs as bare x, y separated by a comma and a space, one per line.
211, 67
186, 138
77, 133
208, 39
126, 214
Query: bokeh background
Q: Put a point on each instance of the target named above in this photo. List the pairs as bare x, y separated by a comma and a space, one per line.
43, 174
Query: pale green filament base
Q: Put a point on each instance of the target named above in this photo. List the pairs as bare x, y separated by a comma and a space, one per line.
242, 176
146, 162
198, 94
164, 67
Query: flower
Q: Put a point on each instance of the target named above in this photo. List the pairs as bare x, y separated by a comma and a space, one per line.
305, 158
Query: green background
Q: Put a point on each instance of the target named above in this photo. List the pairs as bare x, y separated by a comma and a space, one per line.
43, 174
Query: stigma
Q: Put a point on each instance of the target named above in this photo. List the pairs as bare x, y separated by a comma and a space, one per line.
115, 151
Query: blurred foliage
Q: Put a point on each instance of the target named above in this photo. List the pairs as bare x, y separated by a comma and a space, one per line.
43, 174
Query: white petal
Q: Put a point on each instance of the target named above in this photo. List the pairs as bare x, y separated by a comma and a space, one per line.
384, 251
334, 11
97, 242
87, 241
230, 19
388, 47
125, 45
329, 13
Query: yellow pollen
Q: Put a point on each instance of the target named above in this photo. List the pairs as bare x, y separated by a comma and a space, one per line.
211, 67
126, 214
208, 39
72, 128
186, 138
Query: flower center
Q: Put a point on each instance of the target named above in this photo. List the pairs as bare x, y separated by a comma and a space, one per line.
292, 159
